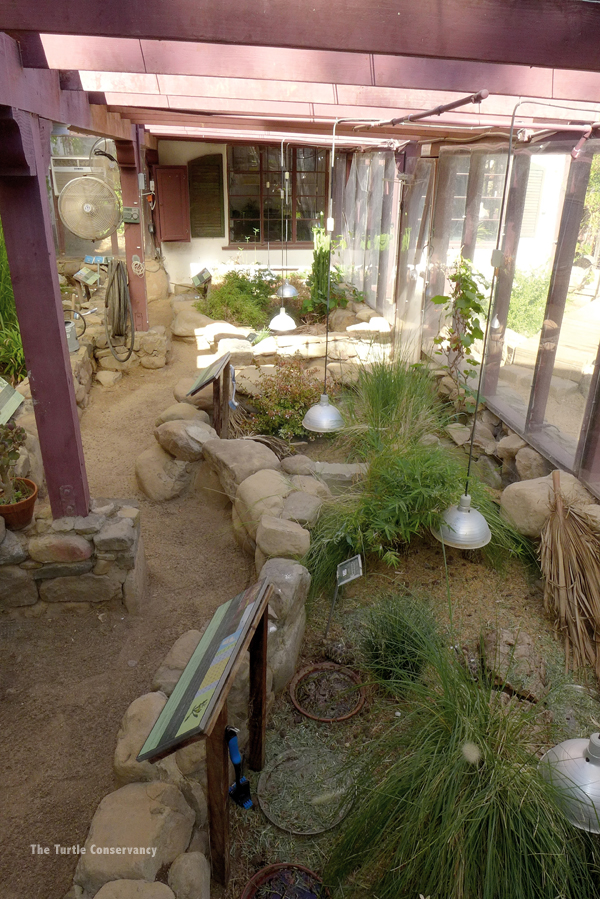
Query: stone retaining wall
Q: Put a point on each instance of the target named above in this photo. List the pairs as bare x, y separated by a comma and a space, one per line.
74, 562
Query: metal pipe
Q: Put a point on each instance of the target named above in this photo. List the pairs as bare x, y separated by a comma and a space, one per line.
437, 110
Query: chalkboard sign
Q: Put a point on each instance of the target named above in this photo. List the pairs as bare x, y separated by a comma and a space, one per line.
207, 216
190, 706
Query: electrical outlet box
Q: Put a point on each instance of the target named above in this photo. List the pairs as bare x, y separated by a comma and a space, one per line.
131, 215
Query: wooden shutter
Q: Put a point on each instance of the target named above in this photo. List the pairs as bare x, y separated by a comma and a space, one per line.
207, 213
172, 202
532, 201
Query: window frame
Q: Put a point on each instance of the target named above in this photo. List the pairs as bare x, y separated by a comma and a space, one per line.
291, 152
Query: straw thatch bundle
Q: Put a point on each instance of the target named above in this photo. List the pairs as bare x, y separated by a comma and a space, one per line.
570, 560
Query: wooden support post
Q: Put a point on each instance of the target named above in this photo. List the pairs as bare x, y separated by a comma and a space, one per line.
217, 408
515, 207
217, 771
25, 213
134, 238
257, 707
225, 397
573, 208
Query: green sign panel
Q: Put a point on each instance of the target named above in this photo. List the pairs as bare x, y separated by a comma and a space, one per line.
209, 373
10, 400
191, 704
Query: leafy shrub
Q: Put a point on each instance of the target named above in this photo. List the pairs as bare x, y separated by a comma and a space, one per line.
285, 397
465, 305
528, 301
450, 802
240, 298
396, 634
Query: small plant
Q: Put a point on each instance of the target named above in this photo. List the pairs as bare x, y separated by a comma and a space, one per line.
240, 298
12, 438
396, 634
464, 307
285, 397
319, 278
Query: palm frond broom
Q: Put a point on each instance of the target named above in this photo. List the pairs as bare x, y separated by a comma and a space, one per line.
570, 561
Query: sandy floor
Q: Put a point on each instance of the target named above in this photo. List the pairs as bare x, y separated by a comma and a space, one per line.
66, 681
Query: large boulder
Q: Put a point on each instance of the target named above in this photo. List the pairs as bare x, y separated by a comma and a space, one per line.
291, 583
58, 548
261, 494
161, 477
189, 323
189, 876
85, 588
511, 659
184, 439
203, 399
17, 587
340, 319
136, 724
236, 460
302, 508
279, 538
298, 465
182, 412
508, 447
149, 818
172, 666
531, 464
135, 889
285, 644
526, 504
12, 550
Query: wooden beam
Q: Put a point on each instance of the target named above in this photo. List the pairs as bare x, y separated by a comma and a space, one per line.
502, 31
38, 91
26, 220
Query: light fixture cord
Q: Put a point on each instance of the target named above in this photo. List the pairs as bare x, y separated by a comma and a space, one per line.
499, 240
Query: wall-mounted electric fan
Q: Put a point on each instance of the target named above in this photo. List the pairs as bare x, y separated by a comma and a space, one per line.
89, 207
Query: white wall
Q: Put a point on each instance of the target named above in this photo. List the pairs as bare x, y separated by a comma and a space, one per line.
183, 259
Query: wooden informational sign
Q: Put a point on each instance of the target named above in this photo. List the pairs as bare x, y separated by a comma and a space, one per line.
189, 710
210, 373
10, 400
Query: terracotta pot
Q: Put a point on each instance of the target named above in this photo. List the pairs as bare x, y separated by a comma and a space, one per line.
266, 874
19, 515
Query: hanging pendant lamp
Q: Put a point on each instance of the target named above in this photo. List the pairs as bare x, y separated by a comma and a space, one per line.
286, 291
573, 767
463, 527
282, 322
323, 418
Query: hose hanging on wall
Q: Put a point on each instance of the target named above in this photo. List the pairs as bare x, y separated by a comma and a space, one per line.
118, 314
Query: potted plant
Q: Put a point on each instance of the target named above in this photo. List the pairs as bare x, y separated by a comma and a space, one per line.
17, 495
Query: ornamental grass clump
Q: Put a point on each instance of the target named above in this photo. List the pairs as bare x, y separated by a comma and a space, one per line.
450, 802
284, 398
241, 298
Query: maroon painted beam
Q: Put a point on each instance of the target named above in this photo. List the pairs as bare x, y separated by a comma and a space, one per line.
38, 91
128, 160
24, 157
332, 67
504, 31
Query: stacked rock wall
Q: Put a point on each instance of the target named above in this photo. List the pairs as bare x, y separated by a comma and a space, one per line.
75, 562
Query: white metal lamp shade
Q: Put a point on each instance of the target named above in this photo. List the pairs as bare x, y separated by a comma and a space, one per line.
574, 769
463, 527
323, 418
282, 322
286, 291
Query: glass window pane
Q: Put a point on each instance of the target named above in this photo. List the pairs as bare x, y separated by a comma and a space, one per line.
304, 229
272, 159
244, 159
244, 184
534, 260
310, 182
246, 231
307, 207
306, 159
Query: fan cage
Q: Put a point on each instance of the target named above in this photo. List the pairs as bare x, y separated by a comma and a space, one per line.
89, 208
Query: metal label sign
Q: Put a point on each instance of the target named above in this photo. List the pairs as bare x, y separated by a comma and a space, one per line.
197, 691
209, 373
10, 400
349, 570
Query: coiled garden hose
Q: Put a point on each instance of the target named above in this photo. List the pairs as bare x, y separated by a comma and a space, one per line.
118, 314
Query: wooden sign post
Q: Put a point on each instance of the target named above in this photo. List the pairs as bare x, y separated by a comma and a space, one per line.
197, 708
219, 374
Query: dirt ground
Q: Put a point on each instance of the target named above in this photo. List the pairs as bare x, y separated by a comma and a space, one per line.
66, 680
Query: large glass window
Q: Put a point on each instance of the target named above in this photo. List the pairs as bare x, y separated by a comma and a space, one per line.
271, 202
